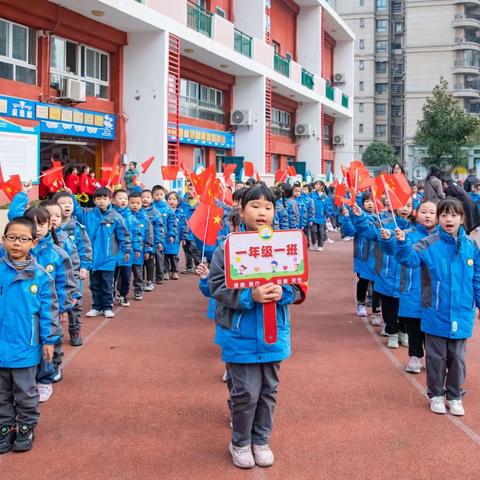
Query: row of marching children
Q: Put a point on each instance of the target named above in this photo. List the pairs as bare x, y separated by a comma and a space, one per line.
48, 250
425, 273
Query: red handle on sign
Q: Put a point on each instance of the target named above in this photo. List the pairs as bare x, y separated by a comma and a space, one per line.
270, 322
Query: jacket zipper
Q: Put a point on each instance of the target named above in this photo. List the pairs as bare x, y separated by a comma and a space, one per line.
411, 275
437, 293
237, 326
386, 266
33, 328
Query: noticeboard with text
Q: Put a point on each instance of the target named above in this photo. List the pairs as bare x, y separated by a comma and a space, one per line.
254, 258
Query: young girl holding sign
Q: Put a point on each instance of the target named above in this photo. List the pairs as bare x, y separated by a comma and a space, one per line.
252, 364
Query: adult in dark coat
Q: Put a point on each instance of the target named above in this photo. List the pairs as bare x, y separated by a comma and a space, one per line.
433, 188
472, 213
471, 180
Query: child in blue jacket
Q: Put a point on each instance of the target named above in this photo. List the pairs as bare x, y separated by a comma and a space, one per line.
450, 294
29, 329
145, 228
170, 224
310, 206
323, 209
280, 221
123, 270
172, 248
252, 364
410, 295
193, 256
387, 270
109, 238
159, 238
301, 207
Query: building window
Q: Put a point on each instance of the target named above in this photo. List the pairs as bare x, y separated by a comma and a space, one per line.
220, 12
381, 88
380, 130
276, 47
361, 107
361, 65
199, 157
281, 123
380, 4
200, 101
327, 134
361, 85
361, 3
380, 46
71, 60
381, 26
361, 44
360, 149
18, 52
362, 23
380, 109
381, 67
360, 128
220, 159
398, 27
275, 162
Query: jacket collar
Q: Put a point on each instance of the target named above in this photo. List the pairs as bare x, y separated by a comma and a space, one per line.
447, 238
27, 272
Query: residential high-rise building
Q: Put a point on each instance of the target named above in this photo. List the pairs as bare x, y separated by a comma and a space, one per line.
402, 50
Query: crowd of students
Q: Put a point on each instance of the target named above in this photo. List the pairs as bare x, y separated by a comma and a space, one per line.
423, 269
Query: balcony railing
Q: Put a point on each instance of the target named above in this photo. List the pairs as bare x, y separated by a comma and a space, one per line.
307, 79
281, 65
243, 43
345, 100
329, 91
199, 19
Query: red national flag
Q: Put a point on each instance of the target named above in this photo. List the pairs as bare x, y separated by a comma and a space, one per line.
360, 176
146, 164
248, 169
169, 172
341, 195
228, 169
257, 177
211, 190
400, 186
281, 175
292, 172
396, 188
346, 174
53, 176
106, 173
223, 193
206, 222
12, 186
377, 197
334, 184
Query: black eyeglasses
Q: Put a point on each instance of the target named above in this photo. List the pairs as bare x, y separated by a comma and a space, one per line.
13, 238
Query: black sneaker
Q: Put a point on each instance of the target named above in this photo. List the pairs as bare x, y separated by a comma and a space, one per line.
24, 440
159, 281
7, 437
76, 340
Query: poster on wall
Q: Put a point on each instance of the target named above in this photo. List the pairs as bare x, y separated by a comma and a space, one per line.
19, 150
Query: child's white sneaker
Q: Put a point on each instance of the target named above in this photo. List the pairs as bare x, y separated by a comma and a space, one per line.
124, 302
437, 405
313, 247
319, 249
329, 241
45, 391
93, 313
414, 365
384, 333
242, 456
149, 287
392, 341
263, 455
456, 407
109, 314
403, 338
376, 320
225, 376
361, 310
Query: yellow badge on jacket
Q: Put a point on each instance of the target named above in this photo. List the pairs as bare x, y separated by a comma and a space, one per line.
33, 289
49, 268
470, 262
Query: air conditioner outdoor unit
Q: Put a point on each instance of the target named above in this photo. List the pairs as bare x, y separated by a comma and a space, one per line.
241, 117
339, 78
339, 140
303, 129
72, 89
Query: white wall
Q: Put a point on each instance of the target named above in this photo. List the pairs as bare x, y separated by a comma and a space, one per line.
145, 100
249, 17
344, 63
309, 34
310, 148
343, 154
249, 94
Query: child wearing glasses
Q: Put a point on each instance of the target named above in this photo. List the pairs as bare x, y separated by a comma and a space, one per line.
28, 330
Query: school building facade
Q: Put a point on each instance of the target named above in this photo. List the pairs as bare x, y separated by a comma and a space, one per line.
190, 82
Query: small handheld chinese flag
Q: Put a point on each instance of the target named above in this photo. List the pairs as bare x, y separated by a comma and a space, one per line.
248, 169
169, 172
206, 222
53, 176
346, 174
228, 169
12, 186
281, 175
359, 175
146, 164
292, 172
341, 195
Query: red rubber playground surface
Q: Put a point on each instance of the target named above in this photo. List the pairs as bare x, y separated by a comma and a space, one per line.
143, 398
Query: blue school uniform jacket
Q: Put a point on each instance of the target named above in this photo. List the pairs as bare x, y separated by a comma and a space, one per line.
135, 236
108, 234
387, 269
157, 224
292, 212
302, 213
79, 236
450, 281
282, 222
409, 277
168, 217
145, 228
241, 336
188, 205
323, 208
180, 234
28, 314
308, 200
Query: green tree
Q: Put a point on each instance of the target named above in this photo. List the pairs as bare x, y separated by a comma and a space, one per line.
445, 128
378, 154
